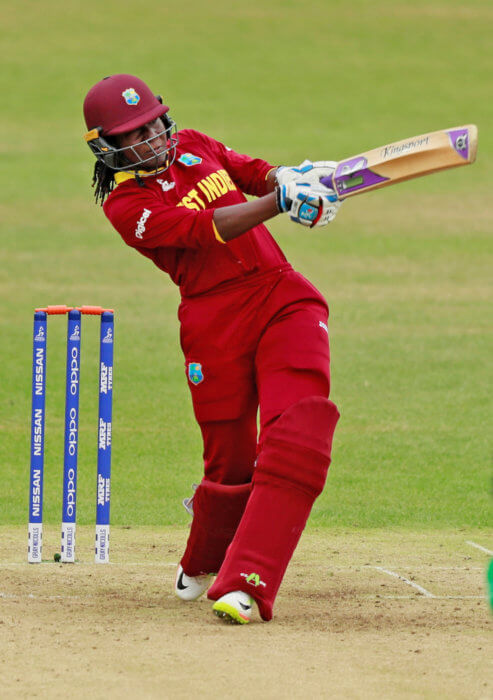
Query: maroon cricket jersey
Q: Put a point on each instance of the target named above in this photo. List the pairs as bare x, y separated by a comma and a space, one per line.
169, 216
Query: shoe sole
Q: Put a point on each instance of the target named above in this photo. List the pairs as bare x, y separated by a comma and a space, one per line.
228, 613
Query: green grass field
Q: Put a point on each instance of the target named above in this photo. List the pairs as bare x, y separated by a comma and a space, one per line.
406, 271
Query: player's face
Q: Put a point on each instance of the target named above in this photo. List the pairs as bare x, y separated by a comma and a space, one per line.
148, 142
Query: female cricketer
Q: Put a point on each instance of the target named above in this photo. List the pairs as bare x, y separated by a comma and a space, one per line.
253, 332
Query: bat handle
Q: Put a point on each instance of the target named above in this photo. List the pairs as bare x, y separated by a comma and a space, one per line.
328, 181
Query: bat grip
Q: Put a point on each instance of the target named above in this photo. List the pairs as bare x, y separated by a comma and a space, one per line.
328, 181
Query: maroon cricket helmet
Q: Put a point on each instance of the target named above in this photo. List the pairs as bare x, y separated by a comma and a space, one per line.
121, 103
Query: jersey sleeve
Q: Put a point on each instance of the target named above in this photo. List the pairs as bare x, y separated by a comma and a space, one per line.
144, 221
249, 174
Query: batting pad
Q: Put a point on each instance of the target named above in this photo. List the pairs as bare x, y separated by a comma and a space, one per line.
291, 472
218, 509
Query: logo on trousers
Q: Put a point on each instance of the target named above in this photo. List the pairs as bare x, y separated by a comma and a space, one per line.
195, 373
254, 580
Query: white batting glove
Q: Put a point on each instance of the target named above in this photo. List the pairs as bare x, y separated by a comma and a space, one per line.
309, 205
308, 172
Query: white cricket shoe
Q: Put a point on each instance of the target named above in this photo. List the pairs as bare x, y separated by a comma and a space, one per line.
191, 587
235, 607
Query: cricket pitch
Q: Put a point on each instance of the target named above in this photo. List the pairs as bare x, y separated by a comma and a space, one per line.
361, 614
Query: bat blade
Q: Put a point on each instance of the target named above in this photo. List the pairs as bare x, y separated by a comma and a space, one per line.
403, 160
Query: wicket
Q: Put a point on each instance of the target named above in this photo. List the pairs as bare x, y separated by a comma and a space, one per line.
71, 441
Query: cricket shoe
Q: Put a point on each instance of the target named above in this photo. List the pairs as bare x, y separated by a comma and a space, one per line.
191, 587
235, 607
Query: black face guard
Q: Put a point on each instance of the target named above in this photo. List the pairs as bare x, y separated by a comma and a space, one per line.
116, 159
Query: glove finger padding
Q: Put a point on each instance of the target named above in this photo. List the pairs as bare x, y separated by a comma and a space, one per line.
307, 171
309, 205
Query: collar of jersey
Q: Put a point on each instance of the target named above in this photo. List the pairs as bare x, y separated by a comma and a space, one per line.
124, 175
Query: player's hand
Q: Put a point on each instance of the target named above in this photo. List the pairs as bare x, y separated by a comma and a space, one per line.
308, 172
309, 205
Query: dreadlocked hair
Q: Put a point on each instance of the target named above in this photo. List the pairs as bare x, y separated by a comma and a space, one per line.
103, 180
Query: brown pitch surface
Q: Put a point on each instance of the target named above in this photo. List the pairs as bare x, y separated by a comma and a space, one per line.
342, 628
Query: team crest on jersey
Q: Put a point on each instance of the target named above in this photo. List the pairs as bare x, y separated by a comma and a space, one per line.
130, 96
195, 373
189, 159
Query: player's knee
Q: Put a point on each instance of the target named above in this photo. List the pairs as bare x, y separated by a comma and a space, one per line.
230, 449
297, 448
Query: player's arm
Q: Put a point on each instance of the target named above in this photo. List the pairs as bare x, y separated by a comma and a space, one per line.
307, 204
232, 221
271, 180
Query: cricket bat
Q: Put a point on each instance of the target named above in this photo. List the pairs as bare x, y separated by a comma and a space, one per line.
403, 160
